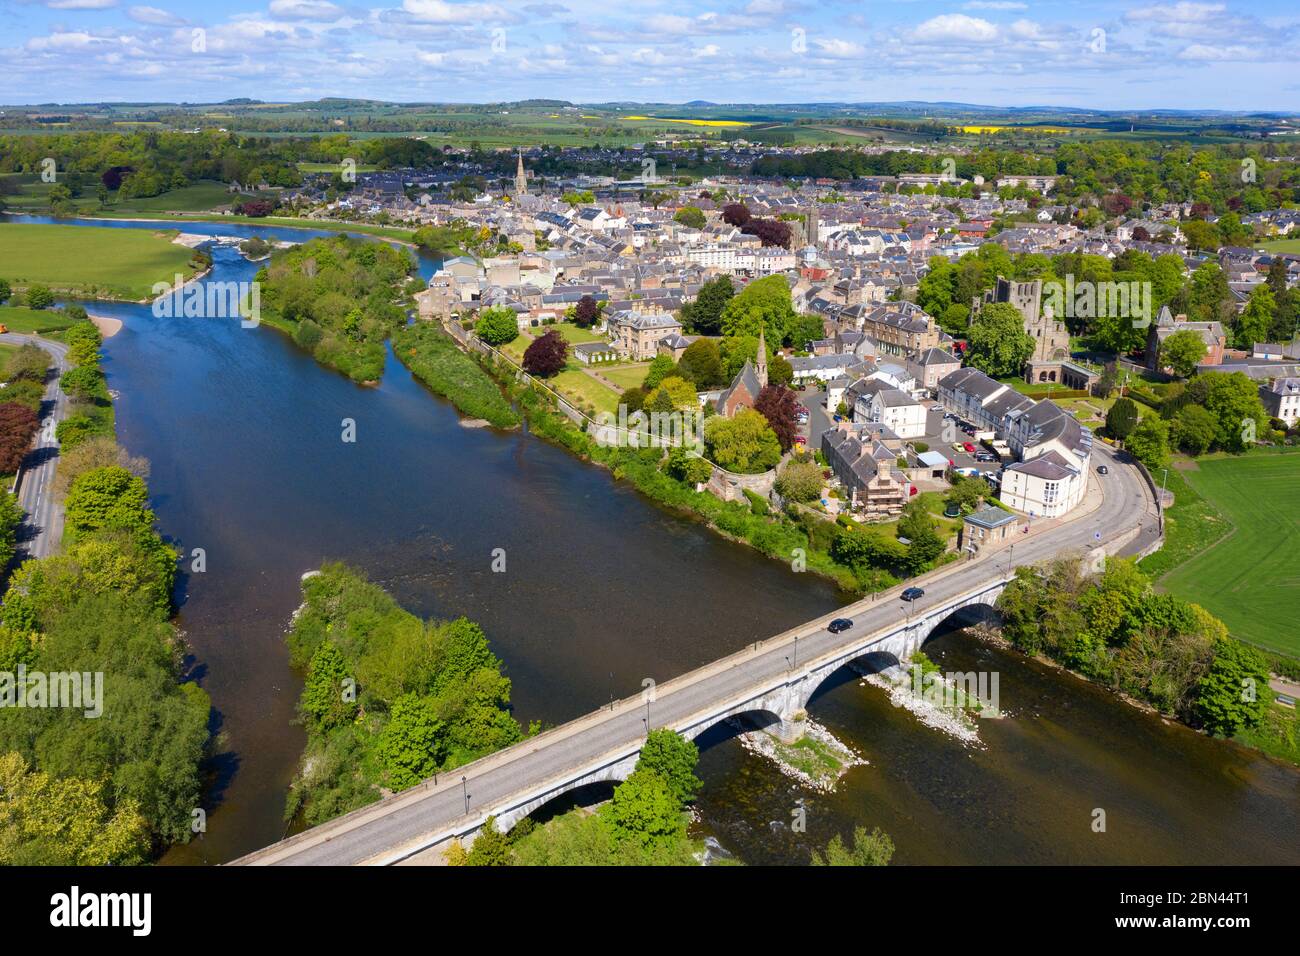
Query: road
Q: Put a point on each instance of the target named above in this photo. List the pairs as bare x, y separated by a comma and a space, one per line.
43, 526
400, 824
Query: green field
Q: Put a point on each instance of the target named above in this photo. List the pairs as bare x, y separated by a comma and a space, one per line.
1249, 578
23, 319
625, 376
90, 262
32, 197
1281, 245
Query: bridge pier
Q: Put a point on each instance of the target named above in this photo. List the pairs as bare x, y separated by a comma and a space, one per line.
790, 729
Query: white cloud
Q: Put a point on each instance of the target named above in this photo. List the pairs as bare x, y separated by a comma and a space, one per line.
1182, 12
995, 5
154, 17
306, 9
1200, 51
80, 4
840, 49
439, 11
955, 27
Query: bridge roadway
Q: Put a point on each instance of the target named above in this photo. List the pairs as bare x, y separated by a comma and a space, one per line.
1120, 509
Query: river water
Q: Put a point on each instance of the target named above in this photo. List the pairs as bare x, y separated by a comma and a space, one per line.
601, 589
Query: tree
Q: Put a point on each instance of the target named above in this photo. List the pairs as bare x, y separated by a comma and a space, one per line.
868, 849
1256, 320
744, 444
490, 848
1182, 352
1149, 442
1194, 429
704, 315
763, 305
11, 516
924, 543
674, 394
108, 498
701, 362
586, 313
82, 382
967, 493
1201, 235
414, 741
633, 398
547, 355
690, 216
800, 480
771, 232
644, 811
325, 703
1234, 402
5, 291
30, 362
674, 758
1122, 418
779, 406
661, 366
735, 214
997, 342
497, 326
1232, 693
39, 296
47, 821
18, 424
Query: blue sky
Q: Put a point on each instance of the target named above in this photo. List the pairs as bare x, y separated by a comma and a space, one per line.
1107, 55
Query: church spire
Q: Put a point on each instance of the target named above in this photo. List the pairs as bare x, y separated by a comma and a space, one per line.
760, 361
521, 181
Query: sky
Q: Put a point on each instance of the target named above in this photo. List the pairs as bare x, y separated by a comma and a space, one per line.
1111, 54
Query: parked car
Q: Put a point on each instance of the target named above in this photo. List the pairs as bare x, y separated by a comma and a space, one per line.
839, 624
984, 456
968, 447
800, 440
957, 446
913, 594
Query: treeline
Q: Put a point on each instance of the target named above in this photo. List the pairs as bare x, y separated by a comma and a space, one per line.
336, 297
388, 699
150, 163
1114, 628
118, 779
852, 164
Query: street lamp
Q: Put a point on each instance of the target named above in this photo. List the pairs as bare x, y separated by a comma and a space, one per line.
464, 791
1011, 554
796, 650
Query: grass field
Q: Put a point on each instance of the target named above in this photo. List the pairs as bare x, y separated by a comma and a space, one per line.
33, 197
89, 262
1282, 245
23, 319
625, 376
574, 383
1249, 578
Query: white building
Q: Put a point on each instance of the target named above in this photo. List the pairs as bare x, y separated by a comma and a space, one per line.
1282, 400
895, 409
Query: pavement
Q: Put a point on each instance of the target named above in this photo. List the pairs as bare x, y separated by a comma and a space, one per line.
42, 529
406, 823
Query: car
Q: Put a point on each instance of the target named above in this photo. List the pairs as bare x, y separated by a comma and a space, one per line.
983, 456
913, 594
800, 440
968, 447
1103, 470
839, 624
957, 446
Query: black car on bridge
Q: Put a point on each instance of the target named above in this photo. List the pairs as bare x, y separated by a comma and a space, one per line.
839, 624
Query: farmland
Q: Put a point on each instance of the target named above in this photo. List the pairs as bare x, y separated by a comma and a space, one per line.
1248, 578
88, 262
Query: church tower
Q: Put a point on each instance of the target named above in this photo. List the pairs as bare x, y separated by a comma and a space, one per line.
760, 361
521, 181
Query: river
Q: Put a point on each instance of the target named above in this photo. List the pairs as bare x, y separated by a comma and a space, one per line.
601, 589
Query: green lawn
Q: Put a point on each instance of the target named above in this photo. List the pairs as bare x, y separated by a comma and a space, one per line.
575, 383
625, 376
90, 262
1281, 245
23, 319
1249, 578
5, 352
